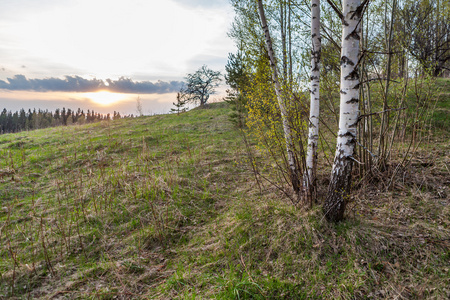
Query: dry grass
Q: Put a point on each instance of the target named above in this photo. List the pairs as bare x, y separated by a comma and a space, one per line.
168, 207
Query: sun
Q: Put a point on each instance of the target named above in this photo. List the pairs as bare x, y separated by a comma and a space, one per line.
105, 98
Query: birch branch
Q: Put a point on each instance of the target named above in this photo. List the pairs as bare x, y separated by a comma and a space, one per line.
379, 112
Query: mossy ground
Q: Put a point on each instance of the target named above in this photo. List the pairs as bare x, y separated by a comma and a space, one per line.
167, 207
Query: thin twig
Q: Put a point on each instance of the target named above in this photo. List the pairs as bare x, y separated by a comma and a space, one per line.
352, 158
365, 148
380, 112
281, 189
374, 79
336, 10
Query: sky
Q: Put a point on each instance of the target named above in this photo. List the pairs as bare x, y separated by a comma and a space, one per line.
61, 53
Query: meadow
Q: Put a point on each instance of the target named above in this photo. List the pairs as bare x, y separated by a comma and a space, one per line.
168, 207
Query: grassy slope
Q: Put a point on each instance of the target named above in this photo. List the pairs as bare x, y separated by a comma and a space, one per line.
166, 207
442, 111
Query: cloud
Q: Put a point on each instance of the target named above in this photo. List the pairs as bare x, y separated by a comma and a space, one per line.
216, 63
79, 84
203, 3
126, 85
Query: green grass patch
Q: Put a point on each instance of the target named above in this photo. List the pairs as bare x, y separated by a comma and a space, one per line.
166, 207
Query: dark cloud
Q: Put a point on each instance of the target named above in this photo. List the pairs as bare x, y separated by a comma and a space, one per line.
126, 85
79, 84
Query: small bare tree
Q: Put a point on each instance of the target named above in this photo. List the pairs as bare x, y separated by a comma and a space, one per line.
139, 106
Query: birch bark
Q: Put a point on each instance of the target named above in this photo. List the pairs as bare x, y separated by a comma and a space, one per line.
293, 169
339, 188
313, 134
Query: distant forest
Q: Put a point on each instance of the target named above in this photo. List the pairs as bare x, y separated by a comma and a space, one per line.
37, 119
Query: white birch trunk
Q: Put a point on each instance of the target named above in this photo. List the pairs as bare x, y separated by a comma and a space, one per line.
294, 174
313, 134
339, 188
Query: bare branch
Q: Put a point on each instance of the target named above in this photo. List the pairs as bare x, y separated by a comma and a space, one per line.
379, 112
336, 10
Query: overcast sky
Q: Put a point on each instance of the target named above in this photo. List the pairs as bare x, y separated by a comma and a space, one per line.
56, 53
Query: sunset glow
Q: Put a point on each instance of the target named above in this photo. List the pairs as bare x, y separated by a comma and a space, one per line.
105, 98
52, 55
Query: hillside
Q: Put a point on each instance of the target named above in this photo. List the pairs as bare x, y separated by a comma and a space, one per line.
166, 207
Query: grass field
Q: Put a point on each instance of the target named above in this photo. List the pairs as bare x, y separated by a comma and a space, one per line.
167, 207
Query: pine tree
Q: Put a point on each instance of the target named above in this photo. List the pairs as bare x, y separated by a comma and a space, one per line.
179, 105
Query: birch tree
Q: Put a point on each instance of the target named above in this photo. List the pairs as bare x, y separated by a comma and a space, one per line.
294, 173
339, 188
313, 134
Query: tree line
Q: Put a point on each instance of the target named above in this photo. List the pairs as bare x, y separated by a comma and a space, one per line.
11, 122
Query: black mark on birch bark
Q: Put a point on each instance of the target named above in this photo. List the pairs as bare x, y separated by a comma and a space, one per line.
354, 34
353, 100
352, 76
347, 61
347, 134
353, 125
